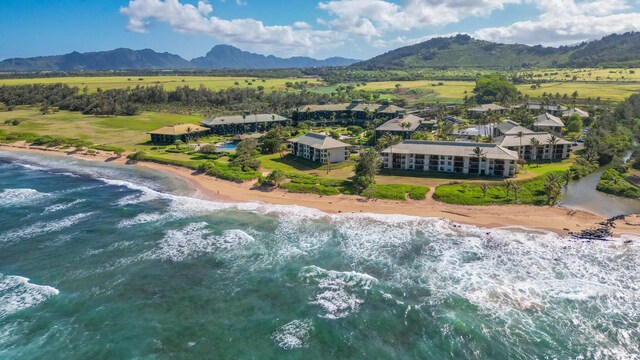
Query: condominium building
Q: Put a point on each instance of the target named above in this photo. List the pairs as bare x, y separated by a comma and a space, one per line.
453, 157
319, 148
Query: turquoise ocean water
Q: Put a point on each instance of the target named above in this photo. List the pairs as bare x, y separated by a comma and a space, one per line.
109, 262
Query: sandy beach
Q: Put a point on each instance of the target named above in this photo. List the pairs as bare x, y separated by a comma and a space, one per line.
553, 218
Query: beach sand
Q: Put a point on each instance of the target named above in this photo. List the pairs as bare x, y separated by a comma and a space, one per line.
548, 218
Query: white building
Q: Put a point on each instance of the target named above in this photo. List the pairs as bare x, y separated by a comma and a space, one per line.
453, 157
319, 148
545, 151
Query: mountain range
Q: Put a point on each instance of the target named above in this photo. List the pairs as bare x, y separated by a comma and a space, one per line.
460, 51
220, 57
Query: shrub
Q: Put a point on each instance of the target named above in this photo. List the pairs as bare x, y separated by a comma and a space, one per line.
275, 178
613, 182
113, 149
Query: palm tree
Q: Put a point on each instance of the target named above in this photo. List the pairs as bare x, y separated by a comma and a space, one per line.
552, 188
484, 188
479, 154
507, 186
566, 177
535, 145
520, 134
515, 187
552, 141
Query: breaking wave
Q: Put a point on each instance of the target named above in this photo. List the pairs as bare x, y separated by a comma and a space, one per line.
17, 293
293, 335
12, 197
41, 228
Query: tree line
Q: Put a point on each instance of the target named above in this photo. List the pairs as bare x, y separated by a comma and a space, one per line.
131, 101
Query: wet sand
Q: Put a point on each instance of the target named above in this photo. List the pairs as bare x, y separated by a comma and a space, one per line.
548, 218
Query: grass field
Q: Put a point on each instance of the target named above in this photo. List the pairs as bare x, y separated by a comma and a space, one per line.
122, 131
168, 82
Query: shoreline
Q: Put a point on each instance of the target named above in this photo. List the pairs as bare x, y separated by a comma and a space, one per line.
554, 219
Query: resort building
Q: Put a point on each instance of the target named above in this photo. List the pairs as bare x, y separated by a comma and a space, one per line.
183, 132
546, 150
240, 124
485, 109
319, 148
583, 114
555, 110
453, 157
354, 112
403, 126
491, 130
549, 123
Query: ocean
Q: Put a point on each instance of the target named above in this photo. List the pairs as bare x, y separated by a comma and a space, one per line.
102, 261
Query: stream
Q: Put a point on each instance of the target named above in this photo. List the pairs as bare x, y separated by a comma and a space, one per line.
582, 195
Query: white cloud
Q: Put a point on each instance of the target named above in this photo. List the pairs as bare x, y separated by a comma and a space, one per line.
253, 34
373, 17
567, 21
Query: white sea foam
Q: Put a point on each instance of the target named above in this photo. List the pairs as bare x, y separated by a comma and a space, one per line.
62, 206
17, 293
41, 228
294, 335
337, 291
13, 197
195, 239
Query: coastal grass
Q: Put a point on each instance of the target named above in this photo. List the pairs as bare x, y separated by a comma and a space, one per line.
294, 165
531, 192
399, 192
614, 183
169, 82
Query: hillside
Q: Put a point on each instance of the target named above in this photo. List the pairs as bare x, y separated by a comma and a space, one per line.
118, 59
229, 57
220, 57
462, 51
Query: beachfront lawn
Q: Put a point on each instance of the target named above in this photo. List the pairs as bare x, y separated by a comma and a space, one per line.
292, 164
463, 193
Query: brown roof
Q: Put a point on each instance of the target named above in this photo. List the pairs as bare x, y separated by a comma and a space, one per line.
179, 129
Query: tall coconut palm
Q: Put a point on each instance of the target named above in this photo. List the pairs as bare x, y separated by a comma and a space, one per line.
553, 141
535, 145
520, 134
479, 154
515, 188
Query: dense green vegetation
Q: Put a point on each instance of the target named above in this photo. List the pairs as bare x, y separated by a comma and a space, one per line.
494, 89
130, 101
615, 183
461, 51
46, 140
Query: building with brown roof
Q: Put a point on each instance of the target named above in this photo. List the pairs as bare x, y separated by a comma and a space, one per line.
183, 132
403, 126
356, 111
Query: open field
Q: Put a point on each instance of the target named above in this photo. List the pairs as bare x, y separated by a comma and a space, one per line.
611, 91
454, 91
122, 131
168, 82
585, 74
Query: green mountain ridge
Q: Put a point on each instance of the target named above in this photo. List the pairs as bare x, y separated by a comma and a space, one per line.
462, 51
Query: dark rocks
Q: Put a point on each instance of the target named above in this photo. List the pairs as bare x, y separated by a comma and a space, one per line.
603, 232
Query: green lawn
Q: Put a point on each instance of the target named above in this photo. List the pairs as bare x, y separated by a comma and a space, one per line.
292, 164
125, 132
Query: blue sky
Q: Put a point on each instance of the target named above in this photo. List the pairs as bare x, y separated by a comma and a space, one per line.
319, 28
